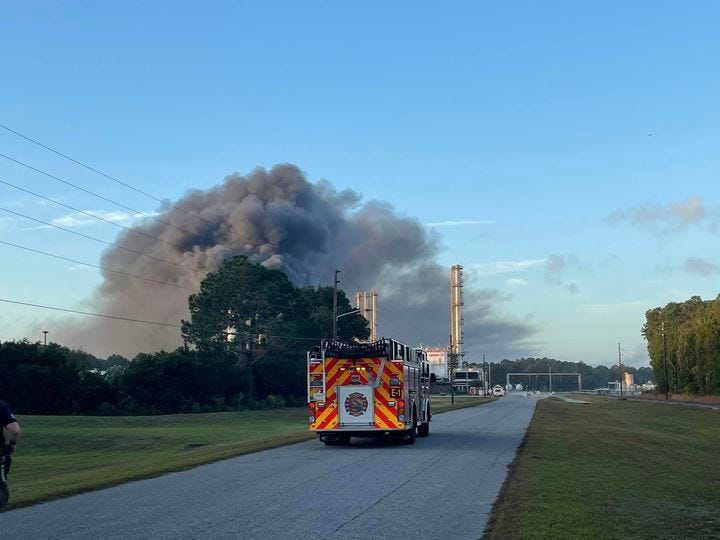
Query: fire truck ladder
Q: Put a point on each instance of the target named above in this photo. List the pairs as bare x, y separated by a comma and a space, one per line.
312, 358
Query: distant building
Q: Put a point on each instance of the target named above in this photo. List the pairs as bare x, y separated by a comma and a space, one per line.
464, 378
438, 359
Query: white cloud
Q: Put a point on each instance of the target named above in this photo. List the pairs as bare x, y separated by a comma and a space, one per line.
73, 220
516, 282
506, 267
79, 267
456, 223
77, 219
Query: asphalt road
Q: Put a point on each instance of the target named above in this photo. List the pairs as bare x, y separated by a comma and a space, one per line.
442, 487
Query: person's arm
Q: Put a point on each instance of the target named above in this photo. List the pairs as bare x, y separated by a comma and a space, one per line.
12, 433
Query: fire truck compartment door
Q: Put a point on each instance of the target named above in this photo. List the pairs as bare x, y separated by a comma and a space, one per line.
356, 405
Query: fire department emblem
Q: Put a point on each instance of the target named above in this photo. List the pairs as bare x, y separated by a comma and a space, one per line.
356, 404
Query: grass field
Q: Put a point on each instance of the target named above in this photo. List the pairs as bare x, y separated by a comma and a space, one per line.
62, 455
440, 404
613, 469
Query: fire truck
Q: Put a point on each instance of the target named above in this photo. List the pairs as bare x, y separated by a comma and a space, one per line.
380, 388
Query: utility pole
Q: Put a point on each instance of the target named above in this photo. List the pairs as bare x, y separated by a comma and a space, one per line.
667, 383
45, 333
484, 379
550, 377
335, 287
622, 377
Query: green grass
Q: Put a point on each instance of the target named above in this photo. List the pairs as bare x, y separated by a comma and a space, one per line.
613, 469
63, 455
441, 404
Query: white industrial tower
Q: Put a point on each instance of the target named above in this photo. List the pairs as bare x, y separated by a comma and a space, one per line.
456, 319
366, 302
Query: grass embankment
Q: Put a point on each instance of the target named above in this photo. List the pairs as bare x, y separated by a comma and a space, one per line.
63, 455
613, 469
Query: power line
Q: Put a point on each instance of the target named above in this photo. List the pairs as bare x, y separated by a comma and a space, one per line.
151, 280
101, 197
94, 216
88, 313
142, 321
112, 244
109, 177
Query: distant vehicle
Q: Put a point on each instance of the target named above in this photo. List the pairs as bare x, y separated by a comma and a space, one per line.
498, 390
370, 389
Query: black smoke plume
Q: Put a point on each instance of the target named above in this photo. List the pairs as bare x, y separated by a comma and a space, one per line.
308, 230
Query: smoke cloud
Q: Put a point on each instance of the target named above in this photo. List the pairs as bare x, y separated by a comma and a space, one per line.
664, 219
696, 265
306, 229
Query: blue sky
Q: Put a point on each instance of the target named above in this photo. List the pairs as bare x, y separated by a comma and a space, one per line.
578, 143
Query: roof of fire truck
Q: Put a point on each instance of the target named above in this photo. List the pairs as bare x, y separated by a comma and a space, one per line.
339, 349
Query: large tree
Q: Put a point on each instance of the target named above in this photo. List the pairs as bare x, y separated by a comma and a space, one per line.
257, 315
237, 303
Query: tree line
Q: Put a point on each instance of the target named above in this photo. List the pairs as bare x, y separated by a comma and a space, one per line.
592, 377
684, 343
244, 347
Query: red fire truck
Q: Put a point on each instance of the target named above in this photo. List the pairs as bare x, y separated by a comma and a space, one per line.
369, 389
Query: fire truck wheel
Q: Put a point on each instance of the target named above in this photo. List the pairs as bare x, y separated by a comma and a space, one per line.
340, 440
423, 430
411, 433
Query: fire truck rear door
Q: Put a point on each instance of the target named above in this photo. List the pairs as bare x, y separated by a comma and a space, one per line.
356, 405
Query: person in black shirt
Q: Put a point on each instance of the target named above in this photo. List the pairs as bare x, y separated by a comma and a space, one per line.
11, 433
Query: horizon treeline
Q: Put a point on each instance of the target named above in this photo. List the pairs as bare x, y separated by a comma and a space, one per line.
244, 348
691, 345
592, 377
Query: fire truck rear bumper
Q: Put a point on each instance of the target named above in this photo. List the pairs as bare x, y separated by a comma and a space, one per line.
359, 432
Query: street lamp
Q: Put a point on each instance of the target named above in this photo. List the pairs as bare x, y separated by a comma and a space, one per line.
550, 376
348, 313
342, 315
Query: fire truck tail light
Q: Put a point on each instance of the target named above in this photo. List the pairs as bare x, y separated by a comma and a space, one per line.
401, 405
311, 404
311, 418
401, 417
320, 405
391, 403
